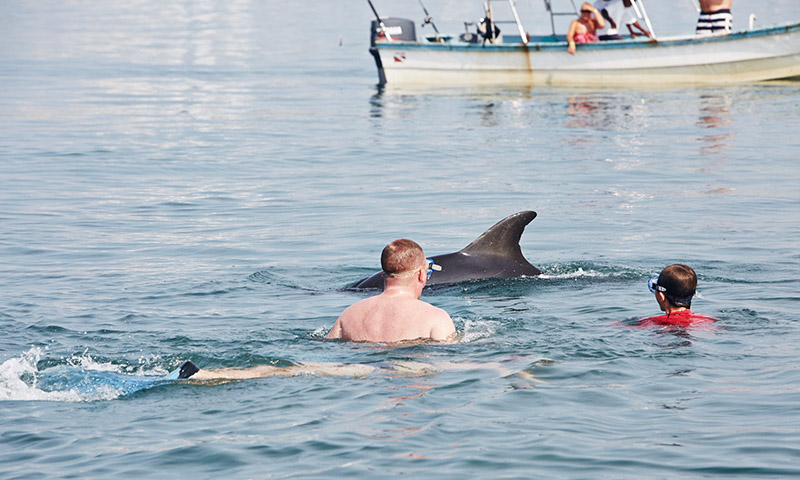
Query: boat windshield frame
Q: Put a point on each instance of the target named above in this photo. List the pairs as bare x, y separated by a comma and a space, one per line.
638, 6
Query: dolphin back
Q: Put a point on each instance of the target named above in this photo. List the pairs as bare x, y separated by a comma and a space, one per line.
494, 254
503, 238
374, 281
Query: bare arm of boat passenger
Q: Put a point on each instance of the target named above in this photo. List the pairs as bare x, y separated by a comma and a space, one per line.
607, 18
599, 21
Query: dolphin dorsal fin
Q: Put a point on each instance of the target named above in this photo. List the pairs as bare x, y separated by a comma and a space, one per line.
503, 238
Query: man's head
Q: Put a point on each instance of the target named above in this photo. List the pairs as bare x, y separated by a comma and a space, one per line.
678, 284
402, 256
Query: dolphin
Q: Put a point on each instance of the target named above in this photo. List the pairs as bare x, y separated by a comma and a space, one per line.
495, 254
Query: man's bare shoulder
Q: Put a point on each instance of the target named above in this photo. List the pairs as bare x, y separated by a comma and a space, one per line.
359, 307
441, 325
434, 311
352, 314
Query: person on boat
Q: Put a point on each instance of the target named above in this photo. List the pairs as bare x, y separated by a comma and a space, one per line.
397, 314
584, 28
616, 12
715, 17
674, 289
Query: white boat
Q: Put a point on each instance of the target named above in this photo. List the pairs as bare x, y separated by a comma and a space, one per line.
752, 55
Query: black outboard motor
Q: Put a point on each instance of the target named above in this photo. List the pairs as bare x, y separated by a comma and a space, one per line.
398, 28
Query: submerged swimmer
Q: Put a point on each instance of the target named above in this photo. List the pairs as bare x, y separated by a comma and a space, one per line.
397, 314
674, 289
188, 370
326, 369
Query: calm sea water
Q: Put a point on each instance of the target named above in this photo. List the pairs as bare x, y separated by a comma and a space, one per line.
198, 180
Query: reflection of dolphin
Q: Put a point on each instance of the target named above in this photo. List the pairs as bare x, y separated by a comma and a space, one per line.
495, 254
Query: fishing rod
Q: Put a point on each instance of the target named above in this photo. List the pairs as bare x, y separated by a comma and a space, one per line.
380, 22
428, 18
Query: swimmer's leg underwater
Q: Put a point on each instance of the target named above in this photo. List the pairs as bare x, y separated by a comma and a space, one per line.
188, 370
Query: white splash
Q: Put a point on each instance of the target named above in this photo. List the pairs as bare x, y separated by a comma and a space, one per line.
87, 362
18, 380
320, 332
475, 330
580, 273
87, 379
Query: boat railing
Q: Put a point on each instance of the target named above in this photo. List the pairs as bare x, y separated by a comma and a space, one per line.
548, 5
638, 7
488, 6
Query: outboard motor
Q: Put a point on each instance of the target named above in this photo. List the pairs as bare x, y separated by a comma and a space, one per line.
398, 28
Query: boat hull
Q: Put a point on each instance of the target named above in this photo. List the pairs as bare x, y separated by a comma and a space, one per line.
741, 57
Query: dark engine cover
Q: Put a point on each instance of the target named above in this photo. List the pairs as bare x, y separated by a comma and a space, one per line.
398, 28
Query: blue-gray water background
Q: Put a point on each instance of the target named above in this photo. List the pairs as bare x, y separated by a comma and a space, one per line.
198, 179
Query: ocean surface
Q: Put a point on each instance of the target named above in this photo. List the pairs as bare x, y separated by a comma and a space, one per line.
199, 180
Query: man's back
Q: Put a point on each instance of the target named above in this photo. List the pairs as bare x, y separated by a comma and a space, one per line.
391, 318
397, 314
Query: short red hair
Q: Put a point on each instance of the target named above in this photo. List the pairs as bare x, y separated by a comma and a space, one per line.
401, 255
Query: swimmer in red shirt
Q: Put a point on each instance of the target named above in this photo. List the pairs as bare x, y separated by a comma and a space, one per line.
674, 289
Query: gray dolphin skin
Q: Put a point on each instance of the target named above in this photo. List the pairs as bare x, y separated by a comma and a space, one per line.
495, 254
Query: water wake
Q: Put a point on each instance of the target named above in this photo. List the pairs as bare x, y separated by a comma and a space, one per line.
79, 379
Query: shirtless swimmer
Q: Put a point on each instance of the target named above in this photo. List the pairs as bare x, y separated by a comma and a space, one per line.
397, 314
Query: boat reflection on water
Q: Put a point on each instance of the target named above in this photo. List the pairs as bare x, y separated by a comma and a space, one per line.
615, 110
714, 122
586, 112
626, 118
637, 113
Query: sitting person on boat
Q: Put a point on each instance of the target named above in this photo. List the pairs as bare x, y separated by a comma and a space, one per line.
674, 289
584, 29
615, 13
715, 17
